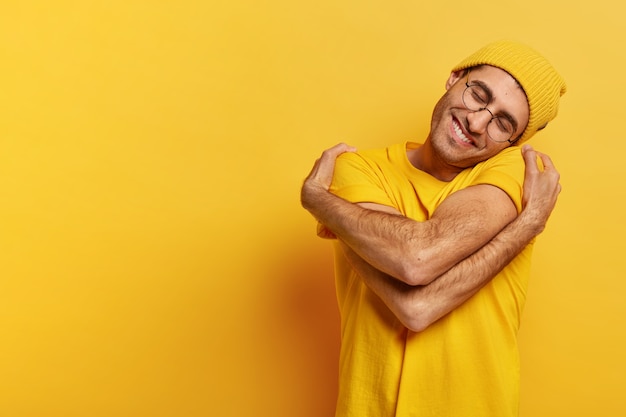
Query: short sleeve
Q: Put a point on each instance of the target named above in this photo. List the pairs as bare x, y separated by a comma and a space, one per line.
505, 171
359, 179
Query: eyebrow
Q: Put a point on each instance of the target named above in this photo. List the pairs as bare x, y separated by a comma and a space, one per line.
489, 92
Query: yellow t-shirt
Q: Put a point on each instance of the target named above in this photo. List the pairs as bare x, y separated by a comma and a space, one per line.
466, 364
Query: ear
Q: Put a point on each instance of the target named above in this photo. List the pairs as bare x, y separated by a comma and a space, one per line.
454, 78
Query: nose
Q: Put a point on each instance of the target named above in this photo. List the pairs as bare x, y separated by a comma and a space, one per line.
479, 119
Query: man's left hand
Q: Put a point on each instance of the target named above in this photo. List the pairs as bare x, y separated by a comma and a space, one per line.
321, 176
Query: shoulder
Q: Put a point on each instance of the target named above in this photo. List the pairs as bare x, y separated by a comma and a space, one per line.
372, 160
367, 176
504, 170
509, 158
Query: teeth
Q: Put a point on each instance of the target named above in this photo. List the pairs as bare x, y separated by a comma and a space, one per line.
459, 133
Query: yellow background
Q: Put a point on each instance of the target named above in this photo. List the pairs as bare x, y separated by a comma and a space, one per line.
154, 258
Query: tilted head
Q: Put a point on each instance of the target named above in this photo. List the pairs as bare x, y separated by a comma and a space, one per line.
539, 80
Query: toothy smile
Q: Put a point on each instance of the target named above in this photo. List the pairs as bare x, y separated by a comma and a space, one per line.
459, 132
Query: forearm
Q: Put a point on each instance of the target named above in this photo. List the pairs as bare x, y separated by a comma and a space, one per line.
383, 239
411, 251
467, 277
417, 307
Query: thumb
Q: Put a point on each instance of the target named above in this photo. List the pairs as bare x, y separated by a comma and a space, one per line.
530, 160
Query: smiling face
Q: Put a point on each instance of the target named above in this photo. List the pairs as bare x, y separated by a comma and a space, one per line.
458, 138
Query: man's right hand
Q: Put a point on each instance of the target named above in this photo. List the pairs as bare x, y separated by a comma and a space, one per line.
541, 188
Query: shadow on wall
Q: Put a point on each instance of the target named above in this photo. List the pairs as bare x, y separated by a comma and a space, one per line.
305, 326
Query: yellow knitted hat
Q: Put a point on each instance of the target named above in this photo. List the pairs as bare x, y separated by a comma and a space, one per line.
541, 83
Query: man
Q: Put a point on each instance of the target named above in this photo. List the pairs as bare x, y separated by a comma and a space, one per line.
434, 243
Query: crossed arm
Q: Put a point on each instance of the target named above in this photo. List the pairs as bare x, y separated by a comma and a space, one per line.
423, 270
415, 252
417, 307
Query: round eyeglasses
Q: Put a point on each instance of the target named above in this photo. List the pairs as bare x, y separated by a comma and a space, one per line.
476, 98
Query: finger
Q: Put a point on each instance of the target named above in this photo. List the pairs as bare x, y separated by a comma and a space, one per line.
322, 171
331, 154
530, 159
546, 161
313, 170
344, 147
337, 150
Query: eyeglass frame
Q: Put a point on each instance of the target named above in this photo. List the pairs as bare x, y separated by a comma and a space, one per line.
467, 86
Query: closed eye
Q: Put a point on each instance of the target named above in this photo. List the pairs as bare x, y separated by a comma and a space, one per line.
504, 125
479, 95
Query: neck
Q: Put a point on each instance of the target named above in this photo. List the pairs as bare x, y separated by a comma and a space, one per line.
426, 159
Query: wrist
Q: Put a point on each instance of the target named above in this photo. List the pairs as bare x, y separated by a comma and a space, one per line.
311, 194
530, 224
